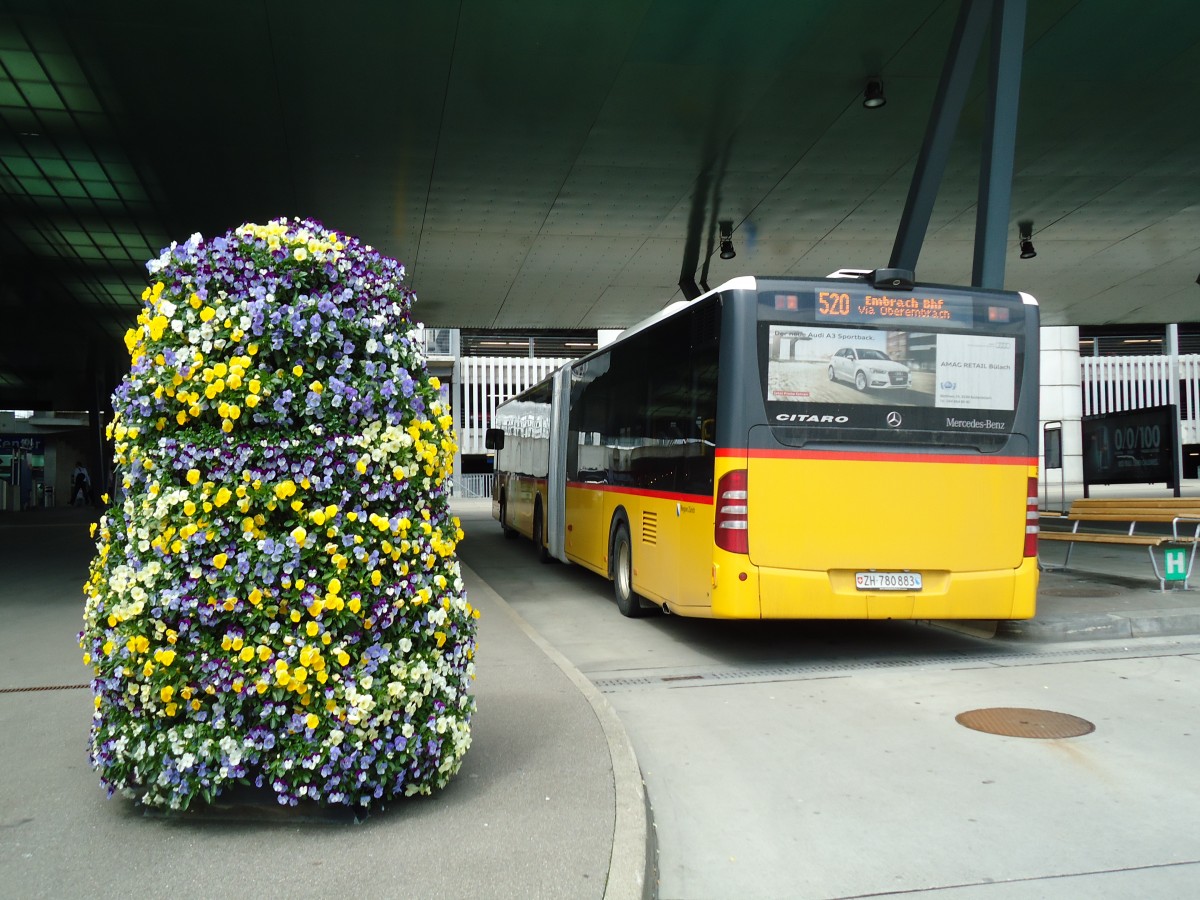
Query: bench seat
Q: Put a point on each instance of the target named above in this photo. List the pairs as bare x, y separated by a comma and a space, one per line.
1183, 515
1144, 540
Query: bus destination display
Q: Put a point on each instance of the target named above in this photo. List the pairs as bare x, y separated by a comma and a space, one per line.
867, 307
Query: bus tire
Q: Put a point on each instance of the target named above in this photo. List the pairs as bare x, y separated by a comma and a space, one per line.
505, 528
539, 535
628, 602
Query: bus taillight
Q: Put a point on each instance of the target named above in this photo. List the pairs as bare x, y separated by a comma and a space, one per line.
732, 519
1031, 517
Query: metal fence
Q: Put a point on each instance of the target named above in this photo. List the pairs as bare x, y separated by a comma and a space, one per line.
487, 381
1118, 383
469, 487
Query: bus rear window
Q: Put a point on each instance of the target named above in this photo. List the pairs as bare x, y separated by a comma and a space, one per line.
946, 365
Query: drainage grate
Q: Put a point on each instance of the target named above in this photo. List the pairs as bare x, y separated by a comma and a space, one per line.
1026, 723
1089, 590
47, 687
687, 677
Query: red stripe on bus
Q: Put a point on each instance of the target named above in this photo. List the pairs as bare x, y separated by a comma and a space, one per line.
642, 492
875, 456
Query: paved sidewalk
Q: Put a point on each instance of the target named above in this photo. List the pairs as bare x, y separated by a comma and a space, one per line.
549, 802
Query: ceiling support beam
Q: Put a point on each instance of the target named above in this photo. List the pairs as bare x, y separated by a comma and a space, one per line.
999, 144
1000, 138
939, 133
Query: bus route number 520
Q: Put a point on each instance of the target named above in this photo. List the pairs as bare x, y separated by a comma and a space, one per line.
831, 303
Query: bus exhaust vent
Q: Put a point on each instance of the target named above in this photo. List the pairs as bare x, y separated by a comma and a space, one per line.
650, 528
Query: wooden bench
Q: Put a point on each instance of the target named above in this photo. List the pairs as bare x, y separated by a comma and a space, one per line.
1182, 514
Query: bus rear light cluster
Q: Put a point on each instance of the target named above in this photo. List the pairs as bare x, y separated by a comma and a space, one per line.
732, 519
1031, 518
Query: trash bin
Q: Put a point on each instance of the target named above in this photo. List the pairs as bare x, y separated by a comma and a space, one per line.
48, 496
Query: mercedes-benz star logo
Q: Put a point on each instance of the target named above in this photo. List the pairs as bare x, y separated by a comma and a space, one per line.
893, 419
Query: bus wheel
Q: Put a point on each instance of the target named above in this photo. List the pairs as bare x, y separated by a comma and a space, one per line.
539, 535
508, 531
628, 602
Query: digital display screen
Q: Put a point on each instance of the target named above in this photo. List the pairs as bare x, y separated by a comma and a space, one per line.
862, 306
854, 356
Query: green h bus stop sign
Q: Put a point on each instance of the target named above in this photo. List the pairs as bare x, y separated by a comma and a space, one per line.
1175, 564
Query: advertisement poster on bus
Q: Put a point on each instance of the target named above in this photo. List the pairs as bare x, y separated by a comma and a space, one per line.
896, 368
844, 365
975, 371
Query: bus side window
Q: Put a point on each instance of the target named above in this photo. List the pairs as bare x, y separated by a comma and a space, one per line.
493, 439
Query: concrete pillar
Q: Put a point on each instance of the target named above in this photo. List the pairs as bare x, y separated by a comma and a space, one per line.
1061, 401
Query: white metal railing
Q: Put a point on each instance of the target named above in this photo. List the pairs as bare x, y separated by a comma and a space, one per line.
487, 381
473, 486
1117, 383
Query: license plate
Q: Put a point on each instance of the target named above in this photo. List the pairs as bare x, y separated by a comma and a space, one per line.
887, 581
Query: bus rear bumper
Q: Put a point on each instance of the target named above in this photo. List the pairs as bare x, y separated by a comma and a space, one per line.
797, 594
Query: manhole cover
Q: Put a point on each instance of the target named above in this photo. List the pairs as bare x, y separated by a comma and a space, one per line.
1029, 723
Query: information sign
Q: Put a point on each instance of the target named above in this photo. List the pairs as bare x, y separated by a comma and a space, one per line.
1175, 564
1132, 447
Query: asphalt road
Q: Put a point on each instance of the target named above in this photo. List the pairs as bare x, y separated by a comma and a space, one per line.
824, 759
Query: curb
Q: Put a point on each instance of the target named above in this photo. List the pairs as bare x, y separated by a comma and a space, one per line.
631, 866
1103, 626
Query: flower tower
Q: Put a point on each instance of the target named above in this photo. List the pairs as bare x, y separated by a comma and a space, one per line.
275, 598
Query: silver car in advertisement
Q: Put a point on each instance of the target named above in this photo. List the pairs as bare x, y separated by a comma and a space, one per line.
867, 369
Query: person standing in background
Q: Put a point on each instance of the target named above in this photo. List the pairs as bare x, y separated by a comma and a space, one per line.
81, 483
25, 473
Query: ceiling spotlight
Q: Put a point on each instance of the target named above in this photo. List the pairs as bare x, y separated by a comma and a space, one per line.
873, 95
727, 251
1025, 230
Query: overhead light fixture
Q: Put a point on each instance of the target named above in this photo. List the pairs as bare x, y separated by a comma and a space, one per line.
727, 251
1025, 230
873, 95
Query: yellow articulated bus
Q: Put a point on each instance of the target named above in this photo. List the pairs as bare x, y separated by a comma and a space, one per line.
862, 447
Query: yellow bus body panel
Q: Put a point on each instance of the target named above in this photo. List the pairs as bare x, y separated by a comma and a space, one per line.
831, 514
961, 525
522, 495
671, 538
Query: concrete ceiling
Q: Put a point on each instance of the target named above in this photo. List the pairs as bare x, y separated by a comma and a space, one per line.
559, 164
